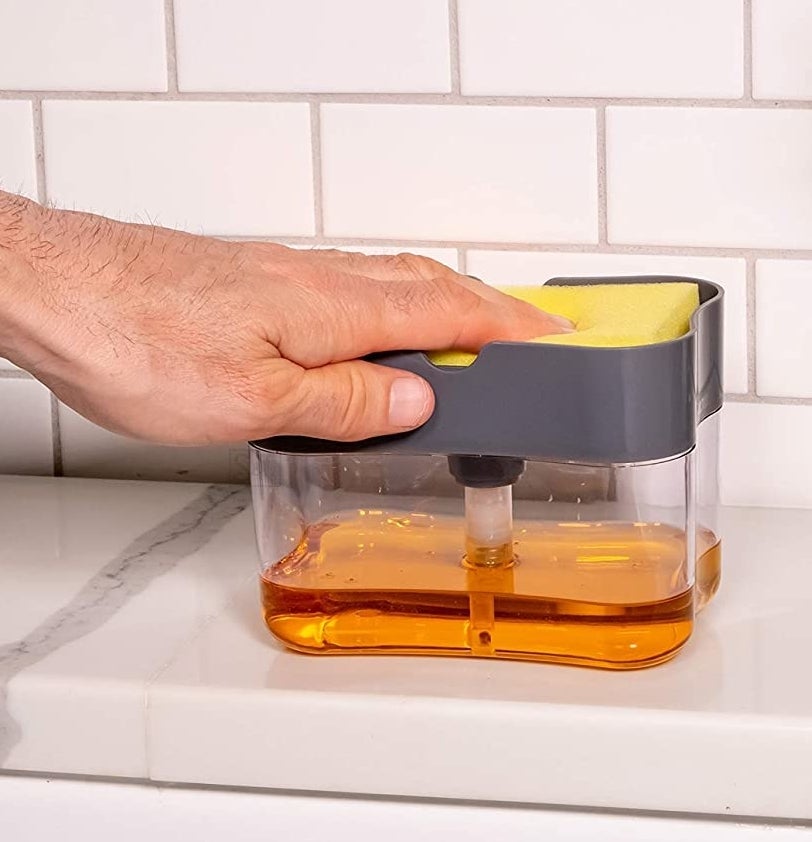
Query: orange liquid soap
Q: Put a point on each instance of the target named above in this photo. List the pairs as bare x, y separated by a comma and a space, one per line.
611, 595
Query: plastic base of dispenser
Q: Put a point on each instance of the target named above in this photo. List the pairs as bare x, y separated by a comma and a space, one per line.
458, 632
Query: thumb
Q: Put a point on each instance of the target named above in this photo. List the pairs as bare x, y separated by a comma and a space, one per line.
351, 401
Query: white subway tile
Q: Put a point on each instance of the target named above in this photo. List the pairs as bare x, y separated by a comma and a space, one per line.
782, 49
211, 167
784, 328
90, 451
766, 455
509, 267
25, 428
83, 45
710, 176
452, 172
634, 48
17, 163
313, 45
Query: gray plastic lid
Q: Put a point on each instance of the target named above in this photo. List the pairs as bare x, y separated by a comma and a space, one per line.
562, 403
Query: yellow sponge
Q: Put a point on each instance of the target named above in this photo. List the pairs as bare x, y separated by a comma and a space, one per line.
605, 315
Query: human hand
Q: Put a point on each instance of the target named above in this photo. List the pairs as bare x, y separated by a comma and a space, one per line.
182, 339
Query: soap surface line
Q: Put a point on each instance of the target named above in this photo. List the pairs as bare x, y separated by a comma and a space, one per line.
143, 560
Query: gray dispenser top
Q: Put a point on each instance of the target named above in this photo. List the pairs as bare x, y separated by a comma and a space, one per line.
563, 403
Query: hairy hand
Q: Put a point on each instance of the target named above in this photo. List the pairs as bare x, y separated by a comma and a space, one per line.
183, 339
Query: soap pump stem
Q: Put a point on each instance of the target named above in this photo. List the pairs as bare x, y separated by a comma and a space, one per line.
489, 557
488, 482
489, 526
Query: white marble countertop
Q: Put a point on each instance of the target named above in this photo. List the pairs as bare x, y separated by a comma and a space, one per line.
131, 645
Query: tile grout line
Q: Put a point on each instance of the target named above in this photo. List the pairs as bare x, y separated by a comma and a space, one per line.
603, 201
747, 49
56, 437
750, 274
462, 261
639, 249
416, 98
42, 198
171, 48
766, 400
39, 150
315, 151
750, 279
454, 45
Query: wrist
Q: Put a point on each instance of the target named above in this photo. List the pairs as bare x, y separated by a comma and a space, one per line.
20, 285
19, 223
56, 267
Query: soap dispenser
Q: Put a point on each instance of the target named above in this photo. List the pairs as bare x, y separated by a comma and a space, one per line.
560, 505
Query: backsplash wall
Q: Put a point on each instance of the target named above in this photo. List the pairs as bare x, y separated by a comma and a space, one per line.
511, 139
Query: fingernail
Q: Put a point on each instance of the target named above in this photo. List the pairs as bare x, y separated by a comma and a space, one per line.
409, 401
565, 324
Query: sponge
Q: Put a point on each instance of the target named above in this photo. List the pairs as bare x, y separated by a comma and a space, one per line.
605, 315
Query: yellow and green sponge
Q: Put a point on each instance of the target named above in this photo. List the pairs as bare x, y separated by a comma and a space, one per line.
605, 315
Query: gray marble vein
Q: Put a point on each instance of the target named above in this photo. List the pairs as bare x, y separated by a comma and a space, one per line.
147, 557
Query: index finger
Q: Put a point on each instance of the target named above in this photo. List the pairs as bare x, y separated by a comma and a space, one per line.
358, 316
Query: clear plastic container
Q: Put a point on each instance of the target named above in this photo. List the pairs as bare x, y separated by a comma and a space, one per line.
370, 553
